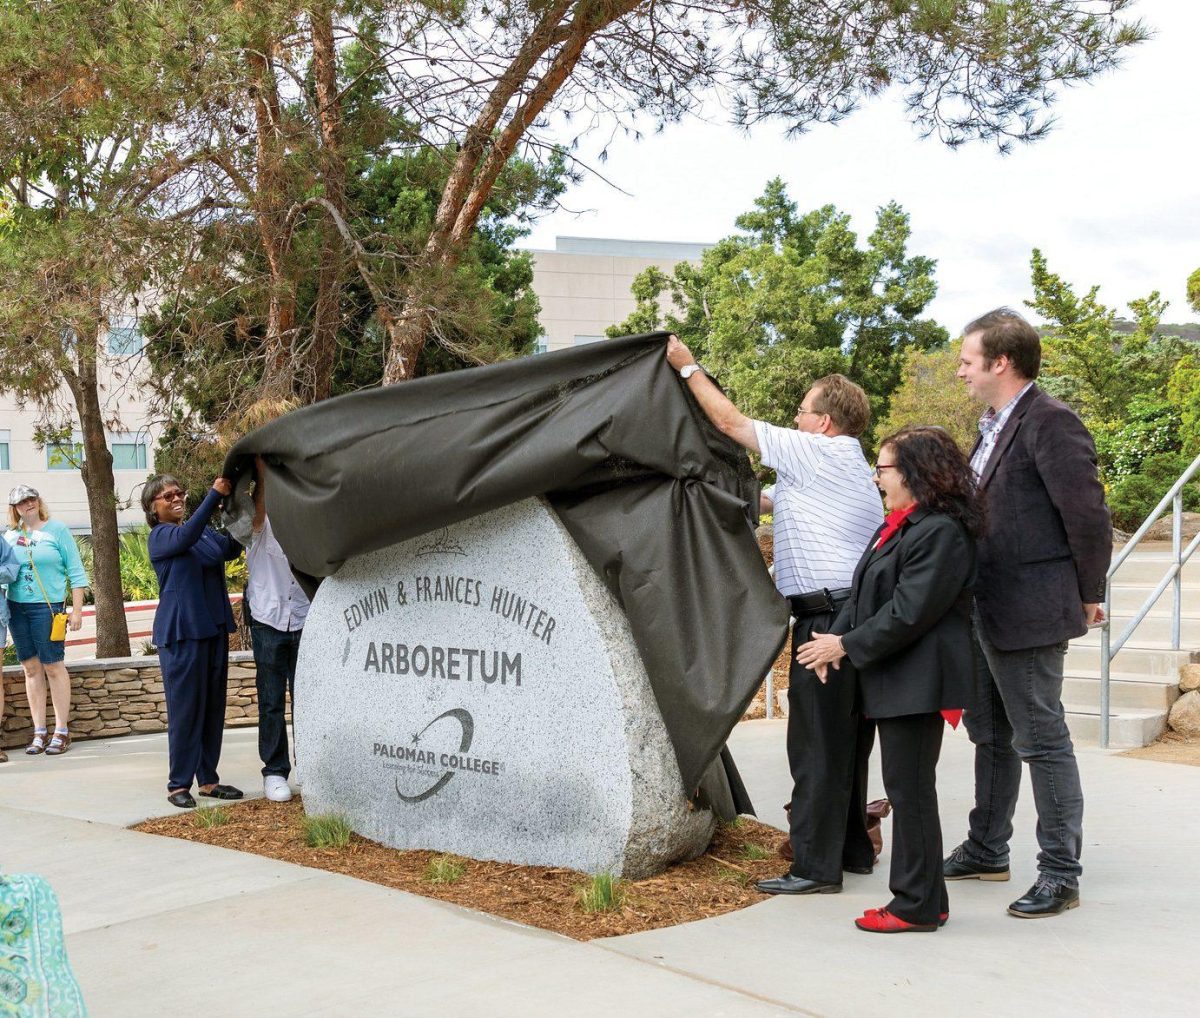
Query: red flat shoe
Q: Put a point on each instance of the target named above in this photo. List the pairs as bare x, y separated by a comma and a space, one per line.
880, 920
943, 917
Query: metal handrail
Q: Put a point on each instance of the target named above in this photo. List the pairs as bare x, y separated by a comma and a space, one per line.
1174, 574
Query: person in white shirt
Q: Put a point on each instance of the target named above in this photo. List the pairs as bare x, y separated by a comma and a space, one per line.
278, 608
826, 511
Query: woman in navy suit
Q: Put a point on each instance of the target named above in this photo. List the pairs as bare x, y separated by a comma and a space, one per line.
191, 631
906, 629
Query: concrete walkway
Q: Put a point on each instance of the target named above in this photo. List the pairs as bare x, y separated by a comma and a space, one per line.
158, 926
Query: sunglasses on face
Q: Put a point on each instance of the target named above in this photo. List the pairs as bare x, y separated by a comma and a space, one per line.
172, 496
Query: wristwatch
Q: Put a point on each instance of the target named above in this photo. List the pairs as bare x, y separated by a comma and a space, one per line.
688, 370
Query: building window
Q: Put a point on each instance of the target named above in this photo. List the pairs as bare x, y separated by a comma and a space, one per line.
64, 456
124, 338
585, 340
129, 456
5, 462
541, 345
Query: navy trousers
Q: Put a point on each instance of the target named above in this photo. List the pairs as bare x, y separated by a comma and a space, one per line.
195, 676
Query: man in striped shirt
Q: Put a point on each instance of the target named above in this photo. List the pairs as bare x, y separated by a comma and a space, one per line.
826, 511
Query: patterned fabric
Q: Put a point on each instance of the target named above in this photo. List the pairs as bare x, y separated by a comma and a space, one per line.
35, 979
990, 425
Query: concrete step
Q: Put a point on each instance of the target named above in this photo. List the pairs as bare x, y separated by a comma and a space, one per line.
1137, 656
1127, 598
1149, 567
1132, 691
1154, 628
1128, 728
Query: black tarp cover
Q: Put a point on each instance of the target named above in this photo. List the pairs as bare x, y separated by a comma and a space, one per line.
656, 498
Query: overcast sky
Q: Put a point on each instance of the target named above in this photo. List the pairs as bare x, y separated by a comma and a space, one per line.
1112, 196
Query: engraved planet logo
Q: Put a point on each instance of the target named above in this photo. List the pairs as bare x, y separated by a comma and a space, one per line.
429, 762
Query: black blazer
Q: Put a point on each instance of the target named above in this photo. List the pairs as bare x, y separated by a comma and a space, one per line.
1049, 538
907, 625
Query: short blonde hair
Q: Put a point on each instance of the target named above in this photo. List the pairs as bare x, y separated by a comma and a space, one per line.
14, 517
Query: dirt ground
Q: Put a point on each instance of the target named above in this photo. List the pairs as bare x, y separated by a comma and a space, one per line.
720, 881
1171, 748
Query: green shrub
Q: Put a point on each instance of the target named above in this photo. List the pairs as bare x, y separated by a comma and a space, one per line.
138, 582
10, 655
603, 893
1131, 499
327, 830
1150, 427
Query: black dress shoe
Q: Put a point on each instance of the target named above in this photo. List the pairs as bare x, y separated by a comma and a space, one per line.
788, 884
1045, 898
222, 792
862, 871
958, 867
183, 799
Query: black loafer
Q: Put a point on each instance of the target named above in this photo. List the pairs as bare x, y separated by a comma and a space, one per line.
958, 867
788, 884
222, 792
862, 871
1043, 899
183, 799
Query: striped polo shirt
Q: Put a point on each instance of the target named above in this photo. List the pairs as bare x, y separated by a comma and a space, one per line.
827, 507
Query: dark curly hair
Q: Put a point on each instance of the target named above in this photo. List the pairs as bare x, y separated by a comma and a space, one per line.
938, 474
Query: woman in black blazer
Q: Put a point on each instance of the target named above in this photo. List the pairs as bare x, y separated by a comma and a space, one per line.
191, 630
906, 629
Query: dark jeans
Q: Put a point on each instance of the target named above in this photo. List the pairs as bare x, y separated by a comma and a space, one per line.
1018, 715
910, 747
275, 663
828, 744
195, 674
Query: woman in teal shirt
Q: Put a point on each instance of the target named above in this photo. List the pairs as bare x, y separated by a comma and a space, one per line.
49, 559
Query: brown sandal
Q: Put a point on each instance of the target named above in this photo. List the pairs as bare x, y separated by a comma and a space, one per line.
60, 742
37, 744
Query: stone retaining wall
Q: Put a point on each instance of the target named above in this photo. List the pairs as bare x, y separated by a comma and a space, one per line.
120, 696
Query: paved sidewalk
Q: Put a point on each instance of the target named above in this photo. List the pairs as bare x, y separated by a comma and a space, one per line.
158, 926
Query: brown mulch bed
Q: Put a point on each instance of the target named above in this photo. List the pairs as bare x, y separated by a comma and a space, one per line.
720, 881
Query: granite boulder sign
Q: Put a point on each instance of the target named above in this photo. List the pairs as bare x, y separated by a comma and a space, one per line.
476, 690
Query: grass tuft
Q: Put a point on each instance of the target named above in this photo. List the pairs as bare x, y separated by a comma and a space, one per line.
445, 869
729, 876
327, 830
603, 893
754, 853
209, 817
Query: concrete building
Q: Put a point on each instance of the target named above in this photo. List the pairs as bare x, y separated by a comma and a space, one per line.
584, 283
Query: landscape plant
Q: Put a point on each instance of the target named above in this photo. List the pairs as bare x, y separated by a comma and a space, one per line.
445, 869
326, 830
602, 893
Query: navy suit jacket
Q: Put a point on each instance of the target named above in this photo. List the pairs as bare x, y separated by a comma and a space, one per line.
189, 561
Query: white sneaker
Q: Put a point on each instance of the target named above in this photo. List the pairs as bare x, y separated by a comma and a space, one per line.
276, 788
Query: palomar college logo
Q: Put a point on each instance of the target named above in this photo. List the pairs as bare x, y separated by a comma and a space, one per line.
468, 733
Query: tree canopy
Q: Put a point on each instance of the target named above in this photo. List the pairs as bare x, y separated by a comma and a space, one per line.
793, 297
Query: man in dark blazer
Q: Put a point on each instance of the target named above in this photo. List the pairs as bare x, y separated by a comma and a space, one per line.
1042, 566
